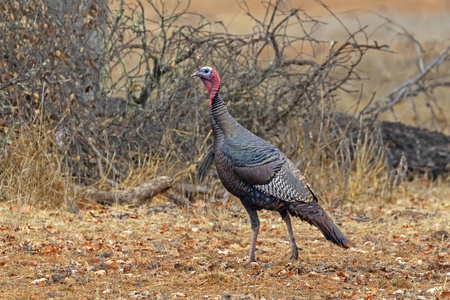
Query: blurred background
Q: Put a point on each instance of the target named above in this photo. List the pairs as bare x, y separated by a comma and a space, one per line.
394, 23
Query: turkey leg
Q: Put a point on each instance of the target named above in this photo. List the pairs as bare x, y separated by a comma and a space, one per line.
287, 219
253, 214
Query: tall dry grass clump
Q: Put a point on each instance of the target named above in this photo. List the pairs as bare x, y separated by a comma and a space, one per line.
32, 172
369, 177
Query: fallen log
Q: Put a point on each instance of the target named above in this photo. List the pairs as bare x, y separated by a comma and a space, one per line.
143, 193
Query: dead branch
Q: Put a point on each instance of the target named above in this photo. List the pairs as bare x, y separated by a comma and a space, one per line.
141, 194
100, 157
409, 88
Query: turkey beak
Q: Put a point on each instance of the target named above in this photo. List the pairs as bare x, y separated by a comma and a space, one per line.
195, 74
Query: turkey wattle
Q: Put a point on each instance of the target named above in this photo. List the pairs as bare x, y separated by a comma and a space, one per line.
259, 174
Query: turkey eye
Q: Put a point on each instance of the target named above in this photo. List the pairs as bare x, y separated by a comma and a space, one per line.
206, 71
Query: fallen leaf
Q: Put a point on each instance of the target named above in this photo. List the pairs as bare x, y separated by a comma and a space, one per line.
100, 272
41, 281
112, 263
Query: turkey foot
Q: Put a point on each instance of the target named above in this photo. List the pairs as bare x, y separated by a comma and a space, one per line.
294, 255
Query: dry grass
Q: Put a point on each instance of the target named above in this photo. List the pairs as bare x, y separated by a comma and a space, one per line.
369, 176
32, 172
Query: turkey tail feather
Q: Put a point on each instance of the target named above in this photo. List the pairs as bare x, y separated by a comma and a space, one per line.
314, 214
205, 165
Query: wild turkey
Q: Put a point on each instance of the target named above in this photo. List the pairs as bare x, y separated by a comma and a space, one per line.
259, 174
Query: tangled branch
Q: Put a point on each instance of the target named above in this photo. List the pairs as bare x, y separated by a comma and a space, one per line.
421, 83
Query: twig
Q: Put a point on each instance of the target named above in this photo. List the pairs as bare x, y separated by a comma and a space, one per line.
99, 163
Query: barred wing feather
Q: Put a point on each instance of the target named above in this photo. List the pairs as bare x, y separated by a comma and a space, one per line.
264, 166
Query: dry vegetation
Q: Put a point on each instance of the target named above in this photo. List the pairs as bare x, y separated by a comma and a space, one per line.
104, 99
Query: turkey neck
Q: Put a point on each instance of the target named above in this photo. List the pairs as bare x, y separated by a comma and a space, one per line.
223, 124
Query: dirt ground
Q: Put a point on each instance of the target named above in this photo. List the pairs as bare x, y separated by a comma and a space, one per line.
401, 250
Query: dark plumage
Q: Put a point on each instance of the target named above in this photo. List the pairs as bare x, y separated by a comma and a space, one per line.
259, 174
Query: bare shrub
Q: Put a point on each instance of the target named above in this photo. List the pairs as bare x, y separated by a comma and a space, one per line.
113, 89
50, 67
